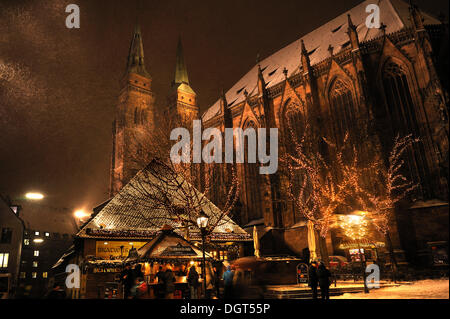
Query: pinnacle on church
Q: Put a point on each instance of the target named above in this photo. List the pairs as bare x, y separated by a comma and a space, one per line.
181, 75
136, 55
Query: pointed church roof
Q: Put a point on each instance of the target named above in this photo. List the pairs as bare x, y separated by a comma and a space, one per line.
136, 55
393, 13
132, 214
181, 80
181, 75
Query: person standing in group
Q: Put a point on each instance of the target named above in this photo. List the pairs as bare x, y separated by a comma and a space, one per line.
324, 281
169, 283
313, 279
137, 271
193, 282
127, 279
160, 289
216, 281
228, 283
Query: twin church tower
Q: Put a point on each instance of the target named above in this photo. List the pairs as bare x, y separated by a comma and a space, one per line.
136, 107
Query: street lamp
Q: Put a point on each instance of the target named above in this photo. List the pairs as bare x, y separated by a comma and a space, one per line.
80, 214
202, 223
34, 196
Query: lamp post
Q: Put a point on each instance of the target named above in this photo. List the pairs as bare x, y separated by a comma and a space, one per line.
202, 222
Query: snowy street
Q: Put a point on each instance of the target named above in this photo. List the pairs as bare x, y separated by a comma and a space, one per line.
424, 289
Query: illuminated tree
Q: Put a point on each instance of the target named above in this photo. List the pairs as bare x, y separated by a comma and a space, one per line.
179, 189
317, 186
390, 186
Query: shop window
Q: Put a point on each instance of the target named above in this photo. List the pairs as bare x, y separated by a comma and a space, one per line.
4, 260
6, 236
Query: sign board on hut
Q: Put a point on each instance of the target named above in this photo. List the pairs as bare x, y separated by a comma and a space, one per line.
178, 250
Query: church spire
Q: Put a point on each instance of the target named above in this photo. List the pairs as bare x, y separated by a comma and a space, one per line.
136, 54
181, 75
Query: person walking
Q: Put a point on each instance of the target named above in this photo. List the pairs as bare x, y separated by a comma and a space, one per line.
169, 283
228, 283
324, 281
193, 282
313, 279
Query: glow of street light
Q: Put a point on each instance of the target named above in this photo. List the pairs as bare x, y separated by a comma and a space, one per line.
38, 240
34, 196
81, 214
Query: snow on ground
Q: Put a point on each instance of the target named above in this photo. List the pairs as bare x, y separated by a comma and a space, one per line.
423, 289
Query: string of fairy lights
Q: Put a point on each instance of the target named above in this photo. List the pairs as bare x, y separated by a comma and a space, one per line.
354, 226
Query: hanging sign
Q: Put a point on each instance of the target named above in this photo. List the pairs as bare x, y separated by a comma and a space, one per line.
178, 250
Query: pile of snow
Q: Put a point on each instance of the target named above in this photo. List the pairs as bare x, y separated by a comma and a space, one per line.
424, 289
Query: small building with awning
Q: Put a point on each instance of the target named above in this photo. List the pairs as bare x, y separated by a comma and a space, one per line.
130, 221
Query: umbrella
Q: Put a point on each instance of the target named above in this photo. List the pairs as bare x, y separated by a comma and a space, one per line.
312, 241
256, 242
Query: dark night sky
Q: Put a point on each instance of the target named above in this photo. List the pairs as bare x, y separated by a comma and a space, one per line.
59, 86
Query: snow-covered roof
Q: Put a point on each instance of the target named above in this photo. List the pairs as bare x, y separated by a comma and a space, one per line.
133, 214
393, 13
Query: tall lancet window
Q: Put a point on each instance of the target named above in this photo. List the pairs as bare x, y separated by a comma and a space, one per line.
135, 116
294, 127
401, 110
342, 109
294, 131
252, 181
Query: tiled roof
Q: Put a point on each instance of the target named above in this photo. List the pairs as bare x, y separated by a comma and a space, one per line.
132, 214
393, 13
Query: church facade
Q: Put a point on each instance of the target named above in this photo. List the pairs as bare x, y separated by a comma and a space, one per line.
342, 77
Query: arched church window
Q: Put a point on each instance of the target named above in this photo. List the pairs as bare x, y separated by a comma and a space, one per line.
294, 127
401, 110
342, 109
252, 182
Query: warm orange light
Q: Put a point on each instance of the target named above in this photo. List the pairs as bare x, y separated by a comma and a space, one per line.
81, 214
34, 196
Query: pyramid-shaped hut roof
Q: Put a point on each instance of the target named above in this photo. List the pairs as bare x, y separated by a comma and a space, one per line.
147, 204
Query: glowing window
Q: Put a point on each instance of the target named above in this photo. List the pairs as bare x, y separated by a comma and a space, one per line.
36, 253
4, 260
